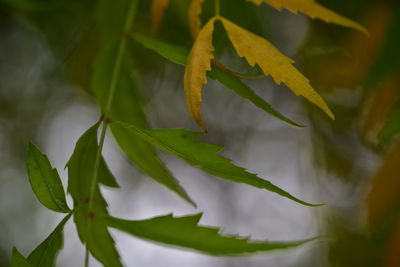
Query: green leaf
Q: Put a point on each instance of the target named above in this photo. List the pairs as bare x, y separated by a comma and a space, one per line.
183, 144
236, 85
174, 53
91, 227
45, 254
185, 232
105, 176
391, 129
45, 181
128, 108
17, 260
179, 55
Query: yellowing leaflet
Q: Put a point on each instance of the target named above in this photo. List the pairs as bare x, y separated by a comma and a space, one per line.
257, 50
313, 10
199, 63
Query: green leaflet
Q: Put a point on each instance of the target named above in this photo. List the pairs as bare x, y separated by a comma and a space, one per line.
179, 56
392, 126
185, 232
91, 227
45, 254
171, 52
88, 145
236, 85
17, 260
45, 181
182, 144
129, 109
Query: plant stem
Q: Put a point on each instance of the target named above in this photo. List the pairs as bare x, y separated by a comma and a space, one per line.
107, 109
110, 97
217, 7
87, 257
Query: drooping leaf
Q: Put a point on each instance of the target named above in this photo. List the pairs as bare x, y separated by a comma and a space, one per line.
259, 51
179, 55
314, 10
45, 181
45, 254
186, 232
183, 144
199, 63
195, 10
89, 202
18, 260
158, 9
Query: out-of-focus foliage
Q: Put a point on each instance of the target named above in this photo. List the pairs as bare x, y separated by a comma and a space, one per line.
361, 76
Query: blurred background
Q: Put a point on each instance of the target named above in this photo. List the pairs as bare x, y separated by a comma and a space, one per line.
350, 164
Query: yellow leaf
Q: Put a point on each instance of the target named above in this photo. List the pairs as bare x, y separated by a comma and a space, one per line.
194, 17
313, 10
259, 51
199, 63
158, 8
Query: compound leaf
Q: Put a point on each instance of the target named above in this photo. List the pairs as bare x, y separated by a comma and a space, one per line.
45, 181
183, 144
186, 232
259, 51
